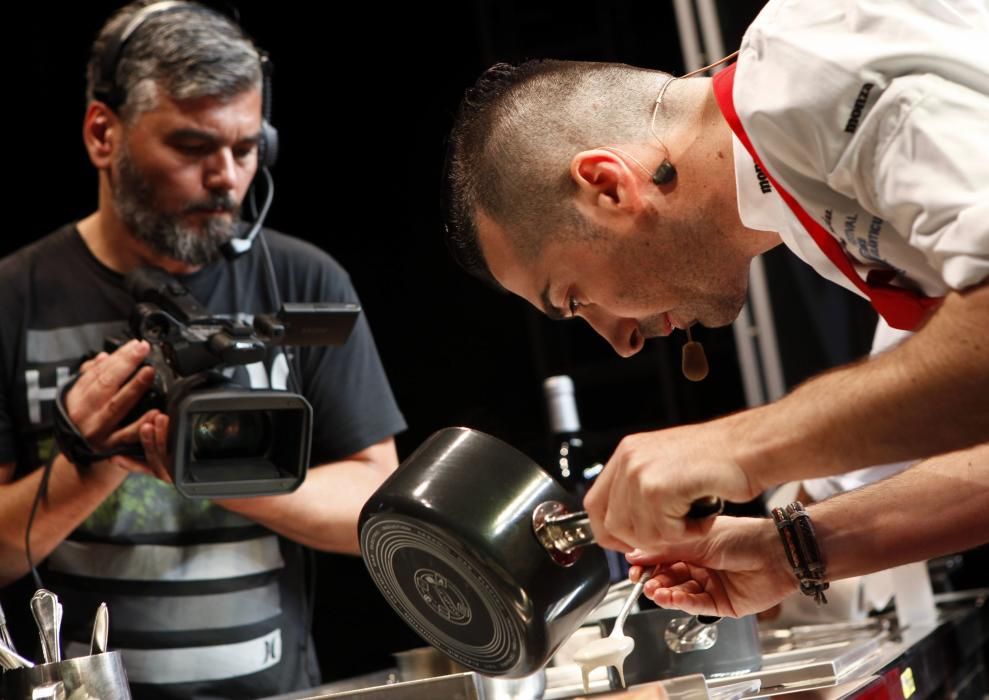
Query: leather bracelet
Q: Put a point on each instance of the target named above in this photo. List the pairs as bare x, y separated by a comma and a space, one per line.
802, 551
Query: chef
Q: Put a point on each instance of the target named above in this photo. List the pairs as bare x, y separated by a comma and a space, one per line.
854, 133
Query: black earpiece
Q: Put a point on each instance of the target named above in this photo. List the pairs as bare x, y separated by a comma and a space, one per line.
665, 173
268, 145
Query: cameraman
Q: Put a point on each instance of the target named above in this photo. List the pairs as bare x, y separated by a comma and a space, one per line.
207, 598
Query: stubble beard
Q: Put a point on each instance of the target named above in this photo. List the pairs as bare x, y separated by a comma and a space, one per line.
712, 290
165, 233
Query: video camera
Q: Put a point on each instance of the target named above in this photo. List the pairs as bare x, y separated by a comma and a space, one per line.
227, 440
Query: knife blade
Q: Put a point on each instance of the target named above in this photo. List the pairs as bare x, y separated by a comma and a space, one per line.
101, 629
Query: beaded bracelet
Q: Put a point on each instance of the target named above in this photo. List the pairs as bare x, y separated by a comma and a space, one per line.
802, 551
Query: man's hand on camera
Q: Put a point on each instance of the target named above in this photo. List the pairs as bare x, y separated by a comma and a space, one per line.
154, 439
109, 387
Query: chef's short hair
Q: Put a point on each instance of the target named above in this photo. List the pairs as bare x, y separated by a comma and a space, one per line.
514, 136
186, 50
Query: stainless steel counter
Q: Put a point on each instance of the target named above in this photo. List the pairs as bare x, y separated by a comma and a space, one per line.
813, 664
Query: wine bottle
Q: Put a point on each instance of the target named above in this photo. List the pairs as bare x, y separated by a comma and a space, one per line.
571, 465
564, 424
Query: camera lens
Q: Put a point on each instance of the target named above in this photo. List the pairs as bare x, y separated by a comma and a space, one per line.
230, 435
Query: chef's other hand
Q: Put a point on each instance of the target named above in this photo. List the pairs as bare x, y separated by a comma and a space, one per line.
738, 568
642, 497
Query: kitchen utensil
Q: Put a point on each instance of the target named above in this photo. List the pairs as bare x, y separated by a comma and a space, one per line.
10, 659
613, 649
737, 647
5, 637
483, 554
101, 629
47, 613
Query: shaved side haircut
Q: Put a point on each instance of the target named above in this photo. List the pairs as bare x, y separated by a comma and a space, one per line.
515, 134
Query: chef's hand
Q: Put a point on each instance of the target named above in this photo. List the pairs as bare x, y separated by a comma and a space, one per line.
738, 568
641, 498
108, 388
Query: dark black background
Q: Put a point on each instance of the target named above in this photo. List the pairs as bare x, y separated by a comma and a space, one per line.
364, 94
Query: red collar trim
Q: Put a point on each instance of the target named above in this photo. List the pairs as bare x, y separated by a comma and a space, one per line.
902, 308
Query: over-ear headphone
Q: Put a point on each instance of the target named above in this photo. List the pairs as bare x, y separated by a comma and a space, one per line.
107, 90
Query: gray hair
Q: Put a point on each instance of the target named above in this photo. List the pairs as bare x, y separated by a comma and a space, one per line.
187, 51
515, 134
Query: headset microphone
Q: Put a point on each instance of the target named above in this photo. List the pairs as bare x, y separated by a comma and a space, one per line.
693, 360
241, 244
267, 155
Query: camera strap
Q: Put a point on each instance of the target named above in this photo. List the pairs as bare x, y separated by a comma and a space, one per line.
71, 442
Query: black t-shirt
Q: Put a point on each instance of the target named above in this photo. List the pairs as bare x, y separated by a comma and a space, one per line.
203, 602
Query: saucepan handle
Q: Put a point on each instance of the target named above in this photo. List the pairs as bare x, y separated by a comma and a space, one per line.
562, 532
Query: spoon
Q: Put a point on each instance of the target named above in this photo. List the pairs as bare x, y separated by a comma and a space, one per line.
47, 613
613, 649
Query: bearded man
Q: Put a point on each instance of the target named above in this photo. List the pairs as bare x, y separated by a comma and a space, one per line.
206, 597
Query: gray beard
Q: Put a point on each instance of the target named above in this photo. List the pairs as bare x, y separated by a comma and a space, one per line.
165, 233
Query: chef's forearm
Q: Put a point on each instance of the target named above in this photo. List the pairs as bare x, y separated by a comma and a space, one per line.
925, 397
937, 507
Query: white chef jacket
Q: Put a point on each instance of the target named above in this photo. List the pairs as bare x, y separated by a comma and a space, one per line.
874, 116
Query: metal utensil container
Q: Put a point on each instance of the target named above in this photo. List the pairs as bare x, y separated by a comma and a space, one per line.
99, 677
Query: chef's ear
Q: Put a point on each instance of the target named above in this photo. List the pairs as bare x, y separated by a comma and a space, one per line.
604, 181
